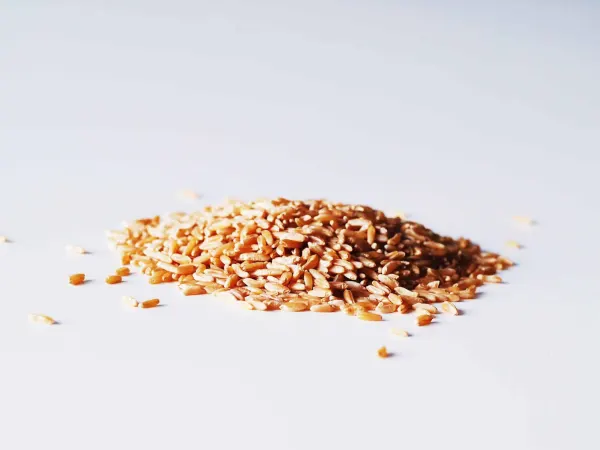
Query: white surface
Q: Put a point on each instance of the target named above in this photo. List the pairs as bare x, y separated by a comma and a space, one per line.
462, 115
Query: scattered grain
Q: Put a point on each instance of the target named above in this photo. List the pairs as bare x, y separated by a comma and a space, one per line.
514, 244
41, 318
369, 316
76, 249
113, 279
382, 352
123, 271
399, 332
316, 255
130, 301
77, 278
149, 303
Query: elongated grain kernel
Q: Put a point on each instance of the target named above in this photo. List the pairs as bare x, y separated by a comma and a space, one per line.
3, 239
149, 303
524, 220
322, 308
426, 306
76, 249
192, 289
369, 316
256, 304
41, 318
385, 308
513, 244
130, 301
294, 306
424, 319
113, 279
450, 308
123, 271
382, 352
77, 278
186, 269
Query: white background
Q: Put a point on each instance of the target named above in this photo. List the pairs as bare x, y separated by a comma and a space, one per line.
461, 113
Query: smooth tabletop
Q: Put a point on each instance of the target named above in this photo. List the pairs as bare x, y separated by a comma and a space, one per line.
461, 114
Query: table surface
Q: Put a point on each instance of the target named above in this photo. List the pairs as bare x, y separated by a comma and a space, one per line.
463, 116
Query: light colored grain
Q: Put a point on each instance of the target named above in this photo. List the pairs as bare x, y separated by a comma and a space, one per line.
524, 220
399, 332
152, 303
77, 278
76, 249
490, 278
425, 306
130, 301
3, 239
188, 194
513, 244
42, 319
450, 308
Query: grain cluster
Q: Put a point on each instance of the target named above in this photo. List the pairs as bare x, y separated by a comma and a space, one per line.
309, 256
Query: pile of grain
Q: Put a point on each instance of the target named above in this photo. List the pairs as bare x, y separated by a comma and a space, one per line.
299, 255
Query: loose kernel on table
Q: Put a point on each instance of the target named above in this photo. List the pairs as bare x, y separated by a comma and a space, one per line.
513, 244
382, 352
77, 278
399, 332
76, 249
149, 303
123, 271
369, 316
130, 301
41, 318
424, 319
3, 239
113, 279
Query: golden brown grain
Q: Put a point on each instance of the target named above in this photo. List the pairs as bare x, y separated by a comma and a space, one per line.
77, 278
192, 289
41, 318
382, 352
113, 279
307, 255
293, 306
424, 319
123, 271
369, 316
322, 308
149, 303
